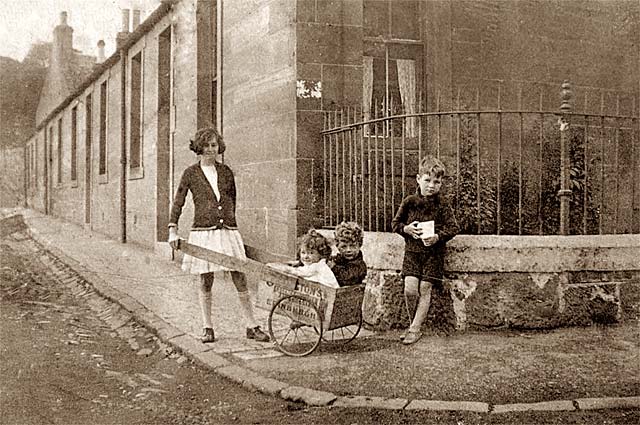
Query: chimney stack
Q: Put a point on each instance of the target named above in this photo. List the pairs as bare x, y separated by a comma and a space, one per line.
125, 20
100, 55
124, 33
135, 19
62, 39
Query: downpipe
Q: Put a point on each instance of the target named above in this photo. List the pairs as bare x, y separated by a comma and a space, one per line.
123, 145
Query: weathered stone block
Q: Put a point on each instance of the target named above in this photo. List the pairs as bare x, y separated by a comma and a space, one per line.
442, 315
371, 402
306, 11
523, 300
383, 303
342, 85
308, 396
588, 303
340, 12
329, 44
630, 299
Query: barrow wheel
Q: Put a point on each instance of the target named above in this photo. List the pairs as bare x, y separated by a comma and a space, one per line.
344, 334
291, 336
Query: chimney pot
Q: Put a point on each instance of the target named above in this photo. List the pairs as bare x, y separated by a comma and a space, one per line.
100, 57
135, 19
63, 18
125, 20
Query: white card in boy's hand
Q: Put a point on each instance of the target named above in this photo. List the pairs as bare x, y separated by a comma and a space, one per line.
428, 229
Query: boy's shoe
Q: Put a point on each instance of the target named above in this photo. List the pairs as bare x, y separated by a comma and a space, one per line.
207, 335
257, 334
412, 337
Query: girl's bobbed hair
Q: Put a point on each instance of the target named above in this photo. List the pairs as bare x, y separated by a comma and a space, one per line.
203, 136
314, 240
349, 232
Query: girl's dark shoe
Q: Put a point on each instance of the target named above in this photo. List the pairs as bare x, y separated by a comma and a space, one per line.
207, 336
257, 334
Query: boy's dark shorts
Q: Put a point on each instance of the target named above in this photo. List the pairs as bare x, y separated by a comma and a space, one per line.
425, 266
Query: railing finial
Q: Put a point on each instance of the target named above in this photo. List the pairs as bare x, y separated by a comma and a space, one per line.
566, 94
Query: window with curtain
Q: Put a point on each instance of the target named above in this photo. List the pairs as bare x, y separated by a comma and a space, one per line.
392, 62
390, 88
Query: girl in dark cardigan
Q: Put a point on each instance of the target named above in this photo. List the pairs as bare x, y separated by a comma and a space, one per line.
213, 190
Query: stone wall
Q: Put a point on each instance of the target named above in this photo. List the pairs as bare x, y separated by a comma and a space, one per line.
500, 47
532, 282
329, 46
12, 177
258, 104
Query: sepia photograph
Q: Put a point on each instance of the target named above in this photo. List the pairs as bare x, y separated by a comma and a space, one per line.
319, 212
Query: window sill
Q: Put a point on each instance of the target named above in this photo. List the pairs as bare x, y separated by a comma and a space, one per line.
74, 183
136, 173
103, 179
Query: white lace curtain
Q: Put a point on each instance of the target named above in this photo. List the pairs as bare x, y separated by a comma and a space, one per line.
407, 86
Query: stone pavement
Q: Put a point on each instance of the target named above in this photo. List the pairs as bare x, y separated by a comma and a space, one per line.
157, 293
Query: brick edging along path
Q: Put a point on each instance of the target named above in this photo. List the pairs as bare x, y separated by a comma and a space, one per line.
200, 353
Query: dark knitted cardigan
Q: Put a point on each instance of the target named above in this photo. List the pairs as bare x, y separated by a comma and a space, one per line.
209, 213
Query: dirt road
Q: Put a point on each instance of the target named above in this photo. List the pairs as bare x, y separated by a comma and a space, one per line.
63, 360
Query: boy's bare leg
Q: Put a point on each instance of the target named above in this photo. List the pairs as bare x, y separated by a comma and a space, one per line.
411, 295
206, 282
423, 307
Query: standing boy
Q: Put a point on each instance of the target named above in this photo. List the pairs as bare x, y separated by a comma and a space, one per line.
423, 262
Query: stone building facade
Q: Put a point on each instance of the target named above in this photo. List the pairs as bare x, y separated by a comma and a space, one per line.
109, 155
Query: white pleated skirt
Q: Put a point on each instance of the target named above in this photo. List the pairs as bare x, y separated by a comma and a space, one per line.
225, 241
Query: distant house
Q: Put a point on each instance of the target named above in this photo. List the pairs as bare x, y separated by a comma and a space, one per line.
68, 68
109, 148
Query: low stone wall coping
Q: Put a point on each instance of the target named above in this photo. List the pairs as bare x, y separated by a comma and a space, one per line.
535, 254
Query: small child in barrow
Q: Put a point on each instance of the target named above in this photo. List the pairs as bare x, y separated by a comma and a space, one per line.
313, 252
348, 265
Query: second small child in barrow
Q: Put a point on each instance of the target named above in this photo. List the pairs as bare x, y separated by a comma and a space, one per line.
313, 252
348, 264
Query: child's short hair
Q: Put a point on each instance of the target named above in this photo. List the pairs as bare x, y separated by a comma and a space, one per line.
432, 165
314, 240
349, 232
203, 136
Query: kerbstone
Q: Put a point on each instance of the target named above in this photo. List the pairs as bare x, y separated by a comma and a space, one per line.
188, 344
130, 304
167, 332
265, 385
547, 406
470, 406
308, 396
211, 359
371, 402
609, 403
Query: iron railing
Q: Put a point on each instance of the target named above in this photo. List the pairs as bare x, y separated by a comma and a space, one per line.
522, 172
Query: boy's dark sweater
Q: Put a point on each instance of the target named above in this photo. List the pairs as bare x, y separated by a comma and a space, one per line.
426, 208
349, 272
